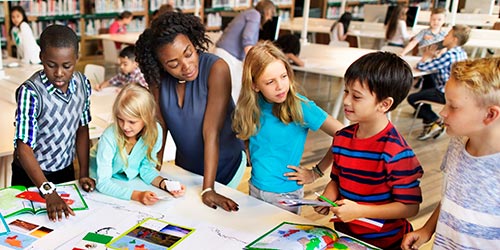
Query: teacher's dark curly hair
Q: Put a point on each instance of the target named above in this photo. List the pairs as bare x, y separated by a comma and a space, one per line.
163, 31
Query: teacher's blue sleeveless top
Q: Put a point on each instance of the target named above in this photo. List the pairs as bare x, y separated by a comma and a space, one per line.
186, 124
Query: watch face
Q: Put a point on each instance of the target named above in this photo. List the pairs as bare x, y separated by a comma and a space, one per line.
46, 186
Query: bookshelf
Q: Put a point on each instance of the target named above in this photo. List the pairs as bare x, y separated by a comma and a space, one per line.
331, 8
216, 10
85, 17
88, 17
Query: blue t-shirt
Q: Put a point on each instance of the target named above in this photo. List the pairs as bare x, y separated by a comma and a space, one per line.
277, 145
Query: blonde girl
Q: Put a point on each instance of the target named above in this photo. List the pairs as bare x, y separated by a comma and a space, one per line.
274, 120
128, 149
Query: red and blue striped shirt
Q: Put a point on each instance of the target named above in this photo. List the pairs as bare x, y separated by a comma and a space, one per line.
376, 170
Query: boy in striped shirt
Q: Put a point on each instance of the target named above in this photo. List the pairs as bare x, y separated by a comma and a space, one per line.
52, 117
468, 214
375, 174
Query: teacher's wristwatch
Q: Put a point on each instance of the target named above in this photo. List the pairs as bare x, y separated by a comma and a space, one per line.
47, 188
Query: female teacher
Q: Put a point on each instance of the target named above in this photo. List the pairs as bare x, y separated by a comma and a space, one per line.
193, 91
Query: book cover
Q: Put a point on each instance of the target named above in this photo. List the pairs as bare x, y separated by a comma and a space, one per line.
294, 236
4, 229
151, 234
11, 205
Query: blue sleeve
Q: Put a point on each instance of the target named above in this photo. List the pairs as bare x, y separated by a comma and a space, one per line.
250, 35
106, 167
314, 116
147, 170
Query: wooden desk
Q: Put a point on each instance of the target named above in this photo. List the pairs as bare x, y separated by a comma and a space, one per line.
214, 228
334, 61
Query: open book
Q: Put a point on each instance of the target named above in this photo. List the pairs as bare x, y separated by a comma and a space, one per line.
151, 234
11, 204
293, 236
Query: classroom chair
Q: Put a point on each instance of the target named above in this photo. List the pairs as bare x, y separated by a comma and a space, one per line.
95, 73
110, 52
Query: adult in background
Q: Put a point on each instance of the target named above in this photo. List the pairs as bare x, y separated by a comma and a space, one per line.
192, 89
239, 36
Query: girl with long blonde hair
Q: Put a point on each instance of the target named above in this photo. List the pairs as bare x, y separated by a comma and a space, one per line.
127, 149
274, 120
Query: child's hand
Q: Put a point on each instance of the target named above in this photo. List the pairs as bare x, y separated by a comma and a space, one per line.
178, 193
322, 210
301, 175
146, 197
56, 207
414, 240
347, 210
97, 87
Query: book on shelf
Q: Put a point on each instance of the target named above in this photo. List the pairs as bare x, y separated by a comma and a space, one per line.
16, 200
295, 236
151, 233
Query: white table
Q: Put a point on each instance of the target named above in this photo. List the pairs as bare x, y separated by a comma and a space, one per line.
214, 229
334, 61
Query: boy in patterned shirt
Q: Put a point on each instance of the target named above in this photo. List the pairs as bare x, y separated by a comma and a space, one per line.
375, 173
468, 214
456, 37
52, 117
129, 71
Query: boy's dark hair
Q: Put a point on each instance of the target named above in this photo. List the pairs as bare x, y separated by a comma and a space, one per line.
385, 74
58, 36
289, 43
128, 52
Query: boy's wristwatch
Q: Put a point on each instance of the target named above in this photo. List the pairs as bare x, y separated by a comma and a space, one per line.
47, 188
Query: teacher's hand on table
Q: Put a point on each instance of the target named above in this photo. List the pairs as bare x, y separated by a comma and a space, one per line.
56, 207
87, 184
214, 200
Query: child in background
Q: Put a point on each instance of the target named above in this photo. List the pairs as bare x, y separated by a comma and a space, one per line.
128, 149
456, 37
119, 25
375, 173
396, 33
274, 119
467, 217
290, 45
52, 117
20, 31
433, 34
129, 71
338, 31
